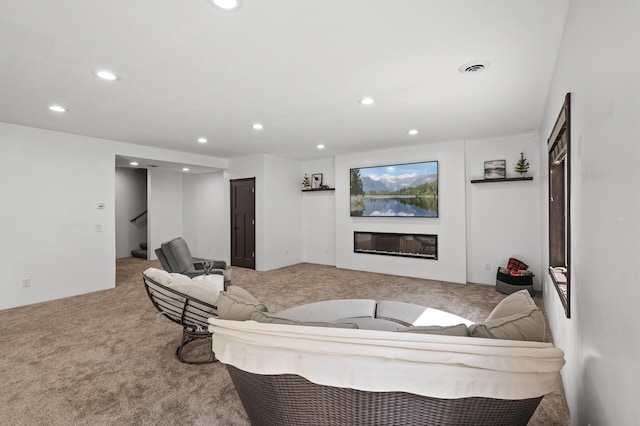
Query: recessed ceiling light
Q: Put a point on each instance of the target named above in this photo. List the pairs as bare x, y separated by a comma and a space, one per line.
134, 163
106, 75
185, 169
257, 126
226, 4
474, 67
320, 146
367, 101
202, 140
413, 132
57, 108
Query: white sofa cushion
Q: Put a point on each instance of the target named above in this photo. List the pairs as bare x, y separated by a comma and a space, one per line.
331, 310
412, 314
195, 289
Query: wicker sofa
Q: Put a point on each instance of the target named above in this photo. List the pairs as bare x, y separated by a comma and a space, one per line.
381, 362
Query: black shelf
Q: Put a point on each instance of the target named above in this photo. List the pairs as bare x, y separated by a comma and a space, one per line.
502, 180
318, 189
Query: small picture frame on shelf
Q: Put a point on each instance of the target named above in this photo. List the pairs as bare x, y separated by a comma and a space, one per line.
495, 169
316, 181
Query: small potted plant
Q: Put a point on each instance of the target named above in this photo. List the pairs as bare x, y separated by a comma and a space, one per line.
522, 165
306, 182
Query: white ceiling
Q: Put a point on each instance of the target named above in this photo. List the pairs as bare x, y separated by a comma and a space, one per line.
299, 67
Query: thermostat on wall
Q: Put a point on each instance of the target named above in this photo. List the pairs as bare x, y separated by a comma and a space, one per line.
100, 205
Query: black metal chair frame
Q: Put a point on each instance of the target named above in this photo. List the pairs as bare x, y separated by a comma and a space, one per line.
192, 314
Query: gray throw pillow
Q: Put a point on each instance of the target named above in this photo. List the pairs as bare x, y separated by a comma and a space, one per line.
516, 317
528, 325
443, 330
237, 304
271, 319
242, 293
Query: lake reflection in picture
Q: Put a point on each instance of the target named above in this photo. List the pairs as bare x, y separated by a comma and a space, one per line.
404, 190
399, 206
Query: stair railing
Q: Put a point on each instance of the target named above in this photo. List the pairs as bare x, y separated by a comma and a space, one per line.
139, 217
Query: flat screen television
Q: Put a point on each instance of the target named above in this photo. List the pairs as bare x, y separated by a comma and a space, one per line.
398, 190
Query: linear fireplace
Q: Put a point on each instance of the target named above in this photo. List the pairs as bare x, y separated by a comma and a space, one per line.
423, 246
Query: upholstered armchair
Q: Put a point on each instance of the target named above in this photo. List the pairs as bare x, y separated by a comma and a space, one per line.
175, 256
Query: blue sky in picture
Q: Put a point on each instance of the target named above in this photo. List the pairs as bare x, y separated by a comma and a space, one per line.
400, 170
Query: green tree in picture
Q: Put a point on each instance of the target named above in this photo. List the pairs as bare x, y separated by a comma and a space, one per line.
355, 184
357, 202
522, 165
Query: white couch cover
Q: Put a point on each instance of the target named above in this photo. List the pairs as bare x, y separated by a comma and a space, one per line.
372, 360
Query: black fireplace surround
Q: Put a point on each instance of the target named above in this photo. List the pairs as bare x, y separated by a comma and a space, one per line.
422, 246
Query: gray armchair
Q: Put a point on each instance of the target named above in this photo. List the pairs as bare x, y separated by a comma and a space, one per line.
175, 256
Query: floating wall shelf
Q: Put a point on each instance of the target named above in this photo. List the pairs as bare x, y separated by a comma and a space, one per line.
318, 189
502, 180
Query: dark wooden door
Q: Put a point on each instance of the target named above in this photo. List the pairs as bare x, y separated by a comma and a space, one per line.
243, 223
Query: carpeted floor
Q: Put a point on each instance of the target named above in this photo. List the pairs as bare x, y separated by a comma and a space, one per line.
107, 358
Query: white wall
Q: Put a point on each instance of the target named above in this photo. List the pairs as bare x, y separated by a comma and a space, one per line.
51, 183
598, 64
503, 218
319, 214
278, 207
205, 228
166, 206
130, 201
192, 206
450, 225
282, 213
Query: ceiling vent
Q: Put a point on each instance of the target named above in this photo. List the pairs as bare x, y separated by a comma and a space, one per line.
474, 67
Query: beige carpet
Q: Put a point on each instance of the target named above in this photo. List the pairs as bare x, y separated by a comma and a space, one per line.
107, 358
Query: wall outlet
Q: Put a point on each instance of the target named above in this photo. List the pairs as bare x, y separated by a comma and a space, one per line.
286, 252
26, 282
326, 251
487, 266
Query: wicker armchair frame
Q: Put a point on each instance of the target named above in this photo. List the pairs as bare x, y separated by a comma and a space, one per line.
192, 314
289, 399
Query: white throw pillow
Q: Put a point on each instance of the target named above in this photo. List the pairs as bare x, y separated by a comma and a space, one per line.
516, 317
515, 303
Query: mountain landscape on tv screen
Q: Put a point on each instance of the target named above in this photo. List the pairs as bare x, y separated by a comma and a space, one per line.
388, 183
408, 190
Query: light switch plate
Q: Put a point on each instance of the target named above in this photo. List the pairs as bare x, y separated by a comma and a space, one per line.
99, 227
